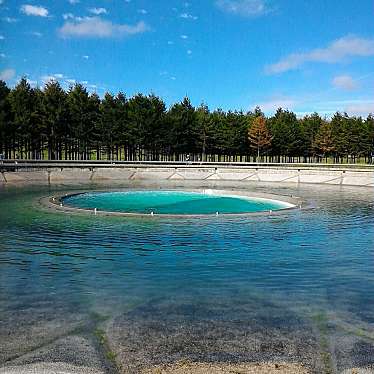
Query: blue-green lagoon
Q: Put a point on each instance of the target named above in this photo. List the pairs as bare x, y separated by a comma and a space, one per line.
120, 294
173, 202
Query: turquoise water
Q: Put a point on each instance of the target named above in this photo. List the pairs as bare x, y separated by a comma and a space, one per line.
171, 202
314, 265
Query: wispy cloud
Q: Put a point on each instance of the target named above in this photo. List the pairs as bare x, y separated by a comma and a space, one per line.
36, 33
277, 102
67, 16
246, 8
34, 10
345, 82
354, 107
73, 2
7, 74
338, 50
98, 11
10, 20
188, 16
304, 105
360, 108
95, 27
52, 77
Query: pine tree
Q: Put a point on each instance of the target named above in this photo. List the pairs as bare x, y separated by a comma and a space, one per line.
22, 107
54, 118
5, 119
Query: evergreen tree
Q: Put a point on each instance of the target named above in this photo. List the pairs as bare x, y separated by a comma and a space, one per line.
182, 127
54, 118
82, 125
310, 126
52, 123
287, 137
203, 130
22, 107
5, 120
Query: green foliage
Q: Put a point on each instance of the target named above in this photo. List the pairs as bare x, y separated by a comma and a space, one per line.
53, 123
286, 132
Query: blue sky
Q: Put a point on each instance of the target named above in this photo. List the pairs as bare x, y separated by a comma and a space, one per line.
315, 55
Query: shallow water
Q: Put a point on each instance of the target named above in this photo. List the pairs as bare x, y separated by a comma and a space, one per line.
171, 202
315, 264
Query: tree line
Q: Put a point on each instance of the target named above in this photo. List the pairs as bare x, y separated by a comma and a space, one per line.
52, 123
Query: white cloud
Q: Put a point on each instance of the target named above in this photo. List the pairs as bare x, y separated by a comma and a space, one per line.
34, 10
2, 55
48, 78
338, 50
2, 37
91, 27
246, 8
36, 33
345, 82
142, 11
98, 11
67, 16
7, 74
52, 77
184, 37
10, 19
188, 16
275, 103
189, 52
73, 2
32, 83
360, 108
86, 57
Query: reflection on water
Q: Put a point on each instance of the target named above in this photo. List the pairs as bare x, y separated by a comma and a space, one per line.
317, 262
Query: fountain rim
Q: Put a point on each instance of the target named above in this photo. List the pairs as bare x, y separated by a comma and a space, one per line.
291, 202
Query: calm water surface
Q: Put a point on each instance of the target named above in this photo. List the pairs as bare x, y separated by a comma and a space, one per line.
171, 202
311, 261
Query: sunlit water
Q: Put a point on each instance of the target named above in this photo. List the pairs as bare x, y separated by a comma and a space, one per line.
171, 202
312, 261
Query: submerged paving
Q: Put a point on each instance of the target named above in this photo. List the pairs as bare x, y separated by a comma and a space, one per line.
92, 294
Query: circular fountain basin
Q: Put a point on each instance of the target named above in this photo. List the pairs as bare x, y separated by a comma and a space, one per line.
205, 202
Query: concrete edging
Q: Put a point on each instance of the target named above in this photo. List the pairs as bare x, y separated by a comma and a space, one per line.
280, 174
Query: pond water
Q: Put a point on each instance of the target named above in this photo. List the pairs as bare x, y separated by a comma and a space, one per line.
172, 202
293, 287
